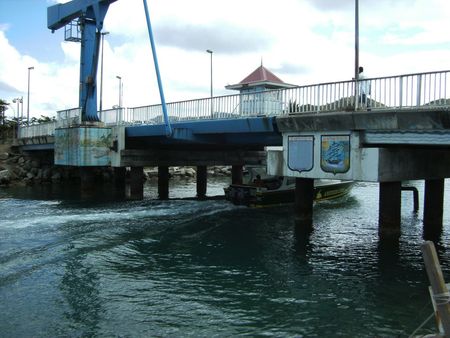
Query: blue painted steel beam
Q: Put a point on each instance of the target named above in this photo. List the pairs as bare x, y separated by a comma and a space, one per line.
31, 147
249, 125
61, 14
259, 131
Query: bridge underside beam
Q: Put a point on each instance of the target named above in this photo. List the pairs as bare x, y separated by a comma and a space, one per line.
130, 158
385, 120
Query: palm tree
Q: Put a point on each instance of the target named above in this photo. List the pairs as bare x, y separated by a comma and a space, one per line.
3, 107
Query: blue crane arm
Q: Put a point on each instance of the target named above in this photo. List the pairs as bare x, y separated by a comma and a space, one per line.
61, 14
90, 14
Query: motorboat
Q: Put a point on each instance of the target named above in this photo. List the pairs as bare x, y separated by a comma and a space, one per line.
261, 190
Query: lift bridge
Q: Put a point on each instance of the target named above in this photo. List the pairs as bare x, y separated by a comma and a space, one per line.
399, 131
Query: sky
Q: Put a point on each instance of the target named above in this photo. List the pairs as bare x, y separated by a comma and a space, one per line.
302, 41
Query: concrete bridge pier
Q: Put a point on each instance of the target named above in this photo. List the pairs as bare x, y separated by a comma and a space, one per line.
389, 211
236, 174
120, 174
87, 181
137, 183
163, 182
303, 205
433, 208
202, 180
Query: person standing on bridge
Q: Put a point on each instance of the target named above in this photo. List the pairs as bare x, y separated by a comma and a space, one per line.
364, 89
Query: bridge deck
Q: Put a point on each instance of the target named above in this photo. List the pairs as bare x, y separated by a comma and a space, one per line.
253, 119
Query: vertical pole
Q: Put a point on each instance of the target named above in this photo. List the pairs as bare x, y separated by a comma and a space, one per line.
440, 291
356, 39
356, 53
389, 212
236, 174
101, 73
137, 183
212, 105
163, 182
120, 90
433, 207
304, 198
28, 100
202, 178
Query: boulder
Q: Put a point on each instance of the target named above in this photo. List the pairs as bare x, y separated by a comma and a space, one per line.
190, 172
39, 174
46, 173
20, 172
27, 165
4, 156
151, 172
5, 176
56, 176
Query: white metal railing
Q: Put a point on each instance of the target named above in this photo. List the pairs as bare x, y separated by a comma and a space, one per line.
418, 91
41, 129
68, 117
112, 116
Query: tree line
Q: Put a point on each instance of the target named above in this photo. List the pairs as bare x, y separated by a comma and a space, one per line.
9, 126
6, 123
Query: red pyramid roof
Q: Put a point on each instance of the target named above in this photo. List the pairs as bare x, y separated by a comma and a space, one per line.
261, 74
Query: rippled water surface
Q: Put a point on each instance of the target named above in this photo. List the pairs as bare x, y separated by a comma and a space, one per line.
189, 268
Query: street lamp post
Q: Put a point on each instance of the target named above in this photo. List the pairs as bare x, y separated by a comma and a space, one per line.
28, 101
120, 90
356, 40
119, 109
18, 101
101, 73
211, 53
21, 110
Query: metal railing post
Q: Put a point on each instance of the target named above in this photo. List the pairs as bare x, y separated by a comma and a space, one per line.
400, 92
419, 90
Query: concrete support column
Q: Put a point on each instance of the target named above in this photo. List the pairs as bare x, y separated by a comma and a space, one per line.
163, 182
202, 179
137, 183
433, 208
120, 174
304, 198
87, 182
389, 212
236, 174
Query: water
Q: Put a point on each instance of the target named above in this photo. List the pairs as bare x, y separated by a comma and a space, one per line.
187, 268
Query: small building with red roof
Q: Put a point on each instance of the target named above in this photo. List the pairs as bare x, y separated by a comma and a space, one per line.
260, 93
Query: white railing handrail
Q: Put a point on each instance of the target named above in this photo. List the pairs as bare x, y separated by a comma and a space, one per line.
37, 130
415, 90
